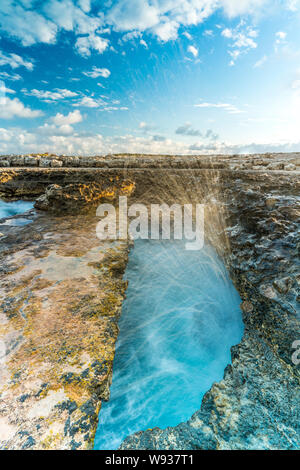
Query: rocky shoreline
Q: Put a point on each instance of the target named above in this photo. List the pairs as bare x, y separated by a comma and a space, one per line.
62, 290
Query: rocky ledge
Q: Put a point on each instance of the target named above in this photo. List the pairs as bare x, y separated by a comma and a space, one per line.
270, 161
61, 294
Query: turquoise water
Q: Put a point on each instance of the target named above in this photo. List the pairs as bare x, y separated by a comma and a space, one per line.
179, 320
9, 209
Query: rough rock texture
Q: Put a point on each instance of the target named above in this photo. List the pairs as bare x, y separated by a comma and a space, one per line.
279, 161
61, 291
60, 299
76, 198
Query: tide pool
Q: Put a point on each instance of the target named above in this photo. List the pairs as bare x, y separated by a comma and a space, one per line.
179, 320
11, 208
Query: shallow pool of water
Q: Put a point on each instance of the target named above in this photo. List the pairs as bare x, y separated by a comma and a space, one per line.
11, 208
179, 320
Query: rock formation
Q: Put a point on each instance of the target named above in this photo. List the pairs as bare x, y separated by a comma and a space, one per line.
61, 294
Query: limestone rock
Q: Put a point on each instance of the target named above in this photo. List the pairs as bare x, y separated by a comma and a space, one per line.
30, 161
56, 163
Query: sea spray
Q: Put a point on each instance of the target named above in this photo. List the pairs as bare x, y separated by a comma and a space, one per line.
179, 320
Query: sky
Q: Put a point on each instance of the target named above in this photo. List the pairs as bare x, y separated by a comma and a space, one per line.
95, 77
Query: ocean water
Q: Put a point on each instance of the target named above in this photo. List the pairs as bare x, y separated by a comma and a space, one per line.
179, 320
9, 209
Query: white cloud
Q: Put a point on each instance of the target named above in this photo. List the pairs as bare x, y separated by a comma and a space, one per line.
70, 17
26, 25
71, 118
281, 42
4, 90
133, 15
9, 76
230, 108
96, 72
143, 43
67, 15
281, 35
114, 108
86, 44
102, 103
242, 40
166, 30
161, 18
48, 96
260, 62
15, 61
240, 7
60, 124
66, 141
12, 108
193, 50
187, 35
85, 5
145, 127
52, 130
296, 84
280, 38
131, 35
292, 5
227, 33
89, 102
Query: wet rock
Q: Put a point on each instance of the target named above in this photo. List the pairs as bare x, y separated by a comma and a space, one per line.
31, 161
271, 202
58, 360
18, 160
247, 306
290, 167
75, 198
56, 163
283, 285
45, 162
276, 166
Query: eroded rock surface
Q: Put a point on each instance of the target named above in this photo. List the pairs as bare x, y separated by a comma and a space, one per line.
60, 298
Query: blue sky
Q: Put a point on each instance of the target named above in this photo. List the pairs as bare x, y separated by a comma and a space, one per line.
153, 76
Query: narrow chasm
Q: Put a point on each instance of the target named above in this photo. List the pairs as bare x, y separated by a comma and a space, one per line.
179, 321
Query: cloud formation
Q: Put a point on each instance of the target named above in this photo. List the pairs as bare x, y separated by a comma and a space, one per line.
65, 140
96, 72
49, 96
31, 21
15, 61
187, 129
193, 50
230, 108
242, 39
11, 108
